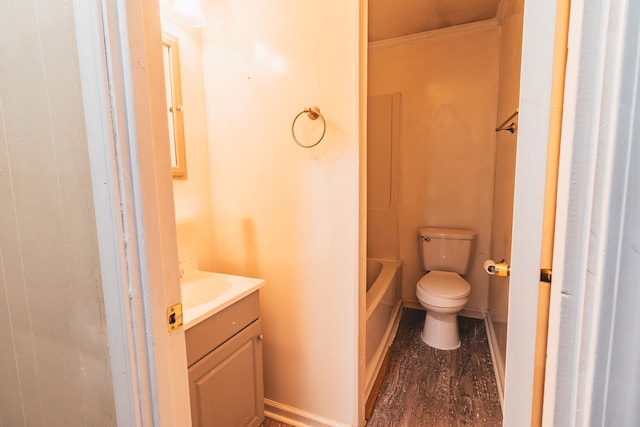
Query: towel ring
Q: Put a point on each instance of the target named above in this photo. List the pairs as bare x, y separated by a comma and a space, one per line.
313, 113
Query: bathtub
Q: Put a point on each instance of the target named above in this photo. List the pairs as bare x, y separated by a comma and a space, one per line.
383, 314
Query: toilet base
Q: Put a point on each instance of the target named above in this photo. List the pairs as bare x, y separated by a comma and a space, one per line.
441, 330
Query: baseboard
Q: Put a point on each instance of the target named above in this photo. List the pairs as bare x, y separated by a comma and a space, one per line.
473, 313
408, 303
496, 358
297, 417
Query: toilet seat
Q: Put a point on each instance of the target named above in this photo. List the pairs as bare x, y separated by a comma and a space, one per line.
443, 289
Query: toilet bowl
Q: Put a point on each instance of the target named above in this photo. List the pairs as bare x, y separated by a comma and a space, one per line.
446, 255
443, 294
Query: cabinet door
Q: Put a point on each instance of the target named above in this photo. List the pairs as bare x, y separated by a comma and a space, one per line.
226, 386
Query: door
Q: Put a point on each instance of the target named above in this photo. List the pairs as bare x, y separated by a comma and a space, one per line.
529, 200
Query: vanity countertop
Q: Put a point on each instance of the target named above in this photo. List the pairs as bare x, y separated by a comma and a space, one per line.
206, 293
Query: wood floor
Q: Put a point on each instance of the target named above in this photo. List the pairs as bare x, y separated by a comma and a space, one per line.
268, 422
428, 387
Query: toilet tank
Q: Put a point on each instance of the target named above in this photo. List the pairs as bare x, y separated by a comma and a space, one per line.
446, 249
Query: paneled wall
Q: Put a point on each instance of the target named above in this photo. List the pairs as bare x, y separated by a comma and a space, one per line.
54, 361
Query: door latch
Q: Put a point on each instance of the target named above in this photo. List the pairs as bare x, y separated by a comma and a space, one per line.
174, 317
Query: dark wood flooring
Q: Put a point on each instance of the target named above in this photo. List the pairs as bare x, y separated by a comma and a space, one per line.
428, 387
424, 386
268, 422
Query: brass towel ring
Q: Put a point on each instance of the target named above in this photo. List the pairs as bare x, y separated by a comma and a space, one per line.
313, 113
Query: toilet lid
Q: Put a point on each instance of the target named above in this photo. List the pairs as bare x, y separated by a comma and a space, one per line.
444, 284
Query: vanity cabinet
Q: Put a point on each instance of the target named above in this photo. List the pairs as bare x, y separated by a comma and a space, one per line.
224, 353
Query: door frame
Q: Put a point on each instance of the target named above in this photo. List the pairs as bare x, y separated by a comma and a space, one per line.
127, 134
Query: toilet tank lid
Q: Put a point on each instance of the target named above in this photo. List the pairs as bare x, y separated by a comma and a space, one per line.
449, 233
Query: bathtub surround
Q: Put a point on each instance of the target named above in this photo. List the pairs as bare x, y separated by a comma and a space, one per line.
383, 175
448, 80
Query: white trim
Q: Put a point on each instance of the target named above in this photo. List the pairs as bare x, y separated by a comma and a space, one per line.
297, 417
131, 391
496, 358
137, 261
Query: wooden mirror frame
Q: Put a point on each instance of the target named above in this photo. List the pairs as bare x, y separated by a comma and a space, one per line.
171, 56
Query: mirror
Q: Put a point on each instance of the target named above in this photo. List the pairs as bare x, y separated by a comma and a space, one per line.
170, 55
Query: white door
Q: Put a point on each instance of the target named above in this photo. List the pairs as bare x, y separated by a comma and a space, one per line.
533, 134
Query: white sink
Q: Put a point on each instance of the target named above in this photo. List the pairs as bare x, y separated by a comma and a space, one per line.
205, 293
199, 290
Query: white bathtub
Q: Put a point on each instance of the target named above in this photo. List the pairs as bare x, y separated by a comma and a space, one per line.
383, 314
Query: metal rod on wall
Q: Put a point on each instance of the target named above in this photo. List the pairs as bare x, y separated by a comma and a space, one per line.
511, 127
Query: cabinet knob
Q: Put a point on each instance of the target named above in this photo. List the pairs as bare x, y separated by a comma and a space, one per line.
260, 337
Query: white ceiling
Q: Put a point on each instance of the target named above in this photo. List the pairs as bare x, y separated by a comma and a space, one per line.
395, 18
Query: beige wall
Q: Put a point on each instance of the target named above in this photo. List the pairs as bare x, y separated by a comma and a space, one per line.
510, 18
448, 82
54, 361
192, 195
284, 213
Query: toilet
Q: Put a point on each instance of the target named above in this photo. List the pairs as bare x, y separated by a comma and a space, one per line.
445, 254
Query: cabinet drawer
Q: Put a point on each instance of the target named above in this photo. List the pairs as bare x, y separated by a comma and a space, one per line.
210, 333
